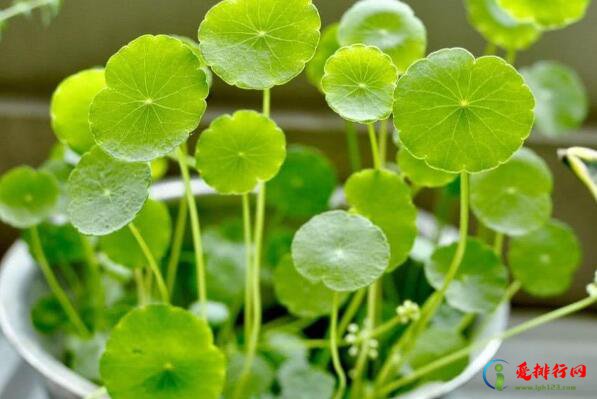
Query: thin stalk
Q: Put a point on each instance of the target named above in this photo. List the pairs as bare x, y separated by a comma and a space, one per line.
334, 348
153, 265
374, 146
195, 230
352, 141
71, 278
23, 8
513, 289
498, 244
142, 297
383, 141
54, 285
466, 321
351, 311
511, 57
246, 207
361, 363
176, 247
406, 342
521, 328
95, 280
255, 273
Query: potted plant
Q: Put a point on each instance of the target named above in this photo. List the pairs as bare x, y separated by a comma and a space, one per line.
283, 294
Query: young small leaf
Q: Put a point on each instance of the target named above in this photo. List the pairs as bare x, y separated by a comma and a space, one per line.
238, 151
258, 44
433, 344
27, 196
389, 25
70, 105
359, 83
420, 173
384, 198
154, 224
498, 27
459, 113
345, 252
328, 45
548, 14
545, 260
304, 185
106, 194
155, 97
299, 380
515, 197
562, 100
167, 353
480, 283
302, 297
61, 243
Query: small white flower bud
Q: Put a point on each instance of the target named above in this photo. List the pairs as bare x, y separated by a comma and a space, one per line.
353, 351
350, 338
353, 328
373, 354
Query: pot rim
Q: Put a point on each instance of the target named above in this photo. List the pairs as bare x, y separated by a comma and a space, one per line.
18, 269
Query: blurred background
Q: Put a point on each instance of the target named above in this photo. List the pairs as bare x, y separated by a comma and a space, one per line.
34, 58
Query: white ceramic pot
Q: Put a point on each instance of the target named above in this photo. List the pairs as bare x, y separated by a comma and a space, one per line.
18, 274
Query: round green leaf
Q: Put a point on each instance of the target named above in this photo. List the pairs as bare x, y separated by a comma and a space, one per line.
359, 83
498, 27
27, 196
154, 224
62, 244
69, 108
480, 283
105, 193
549, 14
513, 198
562, 101
194, 47
389, 25
238, 151
460, 113
261, 377
299, 380
420, 173
167, 353
345, 252
155, 97
258, 44
328, 45
48, 316
545, 260
302, 297
225, 268
384, 198
435, 343
304, 185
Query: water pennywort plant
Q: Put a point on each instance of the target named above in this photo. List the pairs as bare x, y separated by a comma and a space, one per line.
288, 294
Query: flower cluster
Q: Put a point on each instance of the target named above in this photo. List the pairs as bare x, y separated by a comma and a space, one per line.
357, 338
408, 311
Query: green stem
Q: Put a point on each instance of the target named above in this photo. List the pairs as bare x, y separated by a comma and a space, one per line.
177, 241
406, 342
246, 210
70, 278
23, 8
498, 244
153, 265
361, 363
351, 311
511, 57
142, 296
374, 146
334, 348
521, 328
95, 280
54, 285
383, 142
354, 152
195, 230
